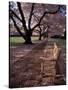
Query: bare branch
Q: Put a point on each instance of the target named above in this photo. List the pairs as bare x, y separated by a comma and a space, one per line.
30, 17
22, 15
36, 18
17, 28
44, 15
15, 15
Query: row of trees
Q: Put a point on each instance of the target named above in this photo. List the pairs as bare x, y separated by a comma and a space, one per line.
31, 17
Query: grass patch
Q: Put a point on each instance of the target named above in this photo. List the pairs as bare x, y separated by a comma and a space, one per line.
34, 38
60, 42
16, 40
20, 40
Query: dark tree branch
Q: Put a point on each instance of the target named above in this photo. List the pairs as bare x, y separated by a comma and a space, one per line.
40, 30
15, 15
17, 28
46, 31
54, 12
36, 18
22, 15
39, 21
30, 17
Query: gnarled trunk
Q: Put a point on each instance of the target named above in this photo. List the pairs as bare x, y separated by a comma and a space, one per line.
28, 40
28, 37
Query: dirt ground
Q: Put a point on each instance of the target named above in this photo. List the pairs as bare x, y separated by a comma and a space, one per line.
25, 66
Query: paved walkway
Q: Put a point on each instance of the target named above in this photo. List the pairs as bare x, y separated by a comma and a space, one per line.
26, 70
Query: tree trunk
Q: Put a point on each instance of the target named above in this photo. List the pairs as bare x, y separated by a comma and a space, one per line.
40, 37
28, 38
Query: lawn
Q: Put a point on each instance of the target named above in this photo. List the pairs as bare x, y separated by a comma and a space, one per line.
60, 42
20, 40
